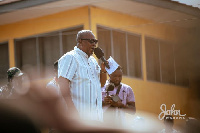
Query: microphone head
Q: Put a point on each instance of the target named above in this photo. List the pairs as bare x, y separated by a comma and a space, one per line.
110, 87
98, 52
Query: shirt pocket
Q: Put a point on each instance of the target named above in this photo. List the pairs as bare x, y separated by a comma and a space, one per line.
82, 72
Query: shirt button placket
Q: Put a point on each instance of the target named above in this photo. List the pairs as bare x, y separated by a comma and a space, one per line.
91, 70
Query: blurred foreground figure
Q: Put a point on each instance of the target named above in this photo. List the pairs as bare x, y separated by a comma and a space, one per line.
13, 120
15, 86
54, 93
169, 122
37, 109
53, 85
192, 125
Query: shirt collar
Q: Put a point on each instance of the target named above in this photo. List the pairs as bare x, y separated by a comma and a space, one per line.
81, 52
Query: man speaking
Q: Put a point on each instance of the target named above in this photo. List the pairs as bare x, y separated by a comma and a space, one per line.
79, 78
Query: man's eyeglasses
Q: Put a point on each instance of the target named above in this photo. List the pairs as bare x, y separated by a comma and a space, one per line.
91, 40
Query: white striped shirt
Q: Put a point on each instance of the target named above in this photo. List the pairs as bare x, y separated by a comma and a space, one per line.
84, 76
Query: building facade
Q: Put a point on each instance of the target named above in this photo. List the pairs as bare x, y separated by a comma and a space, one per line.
159, 58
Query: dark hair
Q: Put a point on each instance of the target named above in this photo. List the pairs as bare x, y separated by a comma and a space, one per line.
119, 68
192, 125
13, 71
55, 64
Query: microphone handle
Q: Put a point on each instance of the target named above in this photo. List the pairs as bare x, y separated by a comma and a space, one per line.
107, 93
105, 62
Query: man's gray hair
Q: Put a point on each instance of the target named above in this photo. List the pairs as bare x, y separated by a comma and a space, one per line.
81, 33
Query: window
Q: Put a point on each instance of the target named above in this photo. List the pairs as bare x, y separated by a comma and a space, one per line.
43, 50
124, 47
183, 64
69, 39
26, 54
163, 64
152, 59
104, 41
49, 48
167, 62
134, 54
119, 46
4, 64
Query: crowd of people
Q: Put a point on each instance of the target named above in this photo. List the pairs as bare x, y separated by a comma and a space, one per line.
79, 90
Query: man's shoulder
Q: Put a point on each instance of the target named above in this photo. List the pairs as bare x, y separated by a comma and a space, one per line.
93, 59
125, 85
68, 56
70, 53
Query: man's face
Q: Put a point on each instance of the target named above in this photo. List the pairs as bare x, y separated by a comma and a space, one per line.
116, 77
88, 46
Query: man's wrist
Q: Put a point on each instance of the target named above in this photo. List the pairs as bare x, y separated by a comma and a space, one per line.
103, 72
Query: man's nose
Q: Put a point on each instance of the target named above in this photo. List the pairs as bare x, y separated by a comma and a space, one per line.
117, 78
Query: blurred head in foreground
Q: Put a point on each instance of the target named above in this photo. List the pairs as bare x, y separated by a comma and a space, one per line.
16, 83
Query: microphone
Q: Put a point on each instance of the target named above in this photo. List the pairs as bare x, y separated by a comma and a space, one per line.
100, 55
109, 87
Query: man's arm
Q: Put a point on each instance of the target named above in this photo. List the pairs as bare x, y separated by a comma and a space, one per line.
103, 75
65, 91
130, 108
